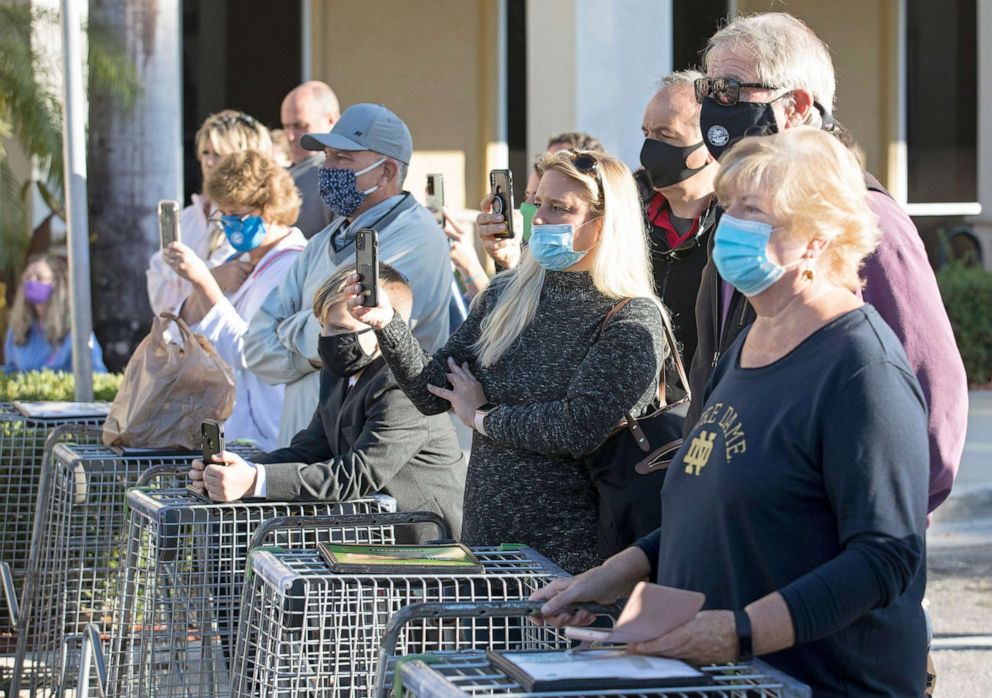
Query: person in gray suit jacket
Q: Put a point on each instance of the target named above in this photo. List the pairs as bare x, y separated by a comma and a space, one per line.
366, 435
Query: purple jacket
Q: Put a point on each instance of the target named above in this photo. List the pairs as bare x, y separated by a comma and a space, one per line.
901, 285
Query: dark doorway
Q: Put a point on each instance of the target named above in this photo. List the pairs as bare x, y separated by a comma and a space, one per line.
238, 54
693, 23
516, 95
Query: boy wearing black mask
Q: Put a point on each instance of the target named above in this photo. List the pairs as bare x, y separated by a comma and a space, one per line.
365, 437
676, 188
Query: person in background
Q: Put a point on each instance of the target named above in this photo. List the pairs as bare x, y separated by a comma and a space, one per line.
797, 504
365, 436
221, 134
39, 336
366, 156
534, 372
257, 205
676, 188
770, 72
280, 148
309, 108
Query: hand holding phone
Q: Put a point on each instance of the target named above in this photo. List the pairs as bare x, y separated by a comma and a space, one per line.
501, 186
367, 264
212, 440
435, 196
168, 222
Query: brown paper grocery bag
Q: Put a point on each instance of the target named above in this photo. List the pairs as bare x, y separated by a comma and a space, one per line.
168, 390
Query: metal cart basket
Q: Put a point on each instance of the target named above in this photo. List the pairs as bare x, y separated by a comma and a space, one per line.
305, 631
77, 547
181, 584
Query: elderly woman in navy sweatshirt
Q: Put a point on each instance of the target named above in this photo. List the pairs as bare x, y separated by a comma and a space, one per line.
798, 502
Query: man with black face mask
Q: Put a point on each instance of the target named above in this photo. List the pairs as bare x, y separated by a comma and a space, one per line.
676, 188
365, 437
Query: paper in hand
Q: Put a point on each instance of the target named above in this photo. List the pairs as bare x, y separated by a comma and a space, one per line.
652, 611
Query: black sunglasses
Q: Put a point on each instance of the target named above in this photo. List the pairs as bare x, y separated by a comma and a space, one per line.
586, 163
726, 91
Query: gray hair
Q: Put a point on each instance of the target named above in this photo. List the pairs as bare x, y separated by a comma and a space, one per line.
680, 78
401, 170
786, 54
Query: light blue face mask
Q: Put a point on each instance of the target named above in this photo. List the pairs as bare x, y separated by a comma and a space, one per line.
740, 252
551, 245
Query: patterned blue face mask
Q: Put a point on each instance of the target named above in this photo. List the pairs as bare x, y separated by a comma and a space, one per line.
551, 245
244, 234
740, 252
338, 187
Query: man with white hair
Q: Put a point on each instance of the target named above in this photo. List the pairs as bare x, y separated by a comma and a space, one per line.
308, 108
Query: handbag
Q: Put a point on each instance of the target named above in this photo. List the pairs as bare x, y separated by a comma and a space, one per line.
168, 390
629, 468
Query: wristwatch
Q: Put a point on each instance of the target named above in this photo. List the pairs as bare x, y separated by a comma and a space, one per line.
480, 417
744, 642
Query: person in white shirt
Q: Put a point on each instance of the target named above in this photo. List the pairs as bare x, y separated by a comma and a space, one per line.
221, 134
258, 204
366, 158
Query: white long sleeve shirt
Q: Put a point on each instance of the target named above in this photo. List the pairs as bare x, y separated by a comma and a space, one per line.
166, 289
257, 405
282, 337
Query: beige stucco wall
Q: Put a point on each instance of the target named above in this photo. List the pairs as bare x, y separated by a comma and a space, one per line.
861, 36
432, 62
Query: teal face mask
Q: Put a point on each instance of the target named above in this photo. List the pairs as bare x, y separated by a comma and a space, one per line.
527, 212
551, 245
740, 253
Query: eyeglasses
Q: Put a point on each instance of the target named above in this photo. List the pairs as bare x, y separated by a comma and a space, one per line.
587, 163
726, 91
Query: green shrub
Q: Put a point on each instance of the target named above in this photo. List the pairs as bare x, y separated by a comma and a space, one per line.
967, 294
55, 385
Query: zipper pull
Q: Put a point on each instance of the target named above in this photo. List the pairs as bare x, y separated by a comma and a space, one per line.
716, 359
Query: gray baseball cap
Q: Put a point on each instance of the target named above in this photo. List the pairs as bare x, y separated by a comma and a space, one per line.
366, 127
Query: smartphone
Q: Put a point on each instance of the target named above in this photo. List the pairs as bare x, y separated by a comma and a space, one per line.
168, 222
367, 263
212, 440
435, 196
501, 185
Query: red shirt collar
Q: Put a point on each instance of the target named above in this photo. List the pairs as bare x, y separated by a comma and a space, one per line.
659, 213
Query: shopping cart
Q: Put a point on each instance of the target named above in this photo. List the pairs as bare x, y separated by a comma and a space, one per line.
306, 631
470, 673
77, 547
23, 430
176, 611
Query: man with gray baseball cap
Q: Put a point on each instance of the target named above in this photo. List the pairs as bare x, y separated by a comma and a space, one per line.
366, 155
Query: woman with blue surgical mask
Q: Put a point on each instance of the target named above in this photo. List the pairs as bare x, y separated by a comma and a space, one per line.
534, 371
257, 205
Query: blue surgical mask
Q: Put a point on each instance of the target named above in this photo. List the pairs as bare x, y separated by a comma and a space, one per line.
740, 252
338, 188
551, 245
244, 234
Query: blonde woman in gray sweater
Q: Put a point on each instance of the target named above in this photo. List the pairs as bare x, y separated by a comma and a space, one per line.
529, 370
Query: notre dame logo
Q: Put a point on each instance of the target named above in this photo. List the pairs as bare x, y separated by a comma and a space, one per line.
699, 452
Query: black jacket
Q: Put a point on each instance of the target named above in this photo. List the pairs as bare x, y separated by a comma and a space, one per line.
370, 440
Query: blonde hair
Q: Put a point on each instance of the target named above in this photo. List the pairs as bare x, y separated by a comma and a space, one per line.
331, 292
56, 321
249, 179
815, 184
787, 55
230, 131
621, 266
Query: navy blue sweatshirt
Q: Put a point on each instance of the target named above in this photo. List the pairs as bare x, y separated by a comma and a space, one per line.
809, 477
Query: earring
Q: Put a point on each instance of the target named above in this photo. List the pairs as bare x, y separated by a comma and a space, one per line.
808, 272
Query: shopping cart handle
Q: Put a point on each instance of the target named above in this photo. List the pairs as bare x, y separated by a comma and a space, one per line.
277, 523
9, 593
478, 609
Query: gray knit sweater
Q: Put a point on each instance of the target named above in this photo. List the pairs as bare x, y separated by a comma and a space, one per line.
558, 393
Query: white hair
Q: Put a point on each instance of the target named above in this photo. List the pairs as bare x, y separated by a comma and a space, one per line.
620, 269
680, 78
787, 55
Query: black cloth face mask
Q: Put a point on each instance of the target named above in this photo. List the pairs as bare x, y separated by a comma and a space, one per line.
342, 354
667, 163
723, 126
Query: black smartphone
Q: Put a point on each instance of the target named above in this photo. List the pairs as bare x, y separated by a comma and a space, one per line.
501, 185
435, 196
168, 222
212, 440
367, 263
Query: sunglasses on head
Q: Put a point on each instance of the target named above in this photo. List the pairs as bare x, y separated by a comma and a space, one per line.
725, 91
587, 163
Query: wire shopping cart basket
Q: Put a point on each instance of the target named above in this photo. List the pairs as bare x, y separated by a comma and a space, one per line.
306, 631
24, 426
181, 584
464, 674
77, 547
